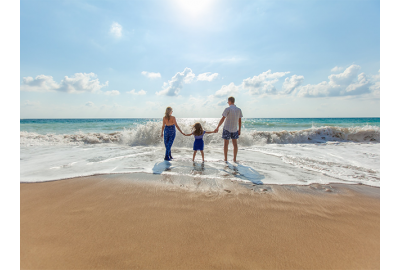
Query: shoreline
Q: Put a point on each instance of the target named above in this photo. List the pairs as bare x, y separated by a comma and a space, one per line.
155, 176
147, 222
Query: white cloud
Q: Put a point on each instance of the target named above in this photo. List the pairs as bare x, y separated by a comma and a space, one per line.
346, 77
80, 82
112, 93
360, 87
89, 104
376, 87
222, 103
151, 75
208, 100
336, 69
140, 93
291, 83
263, 83
316, 90
116, 29
227, 90
41, 83
29, 103
347, 83
174, 86
207, 76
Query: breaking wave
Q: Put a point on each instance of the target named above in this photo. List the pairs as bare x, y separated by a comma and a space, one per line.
149, 134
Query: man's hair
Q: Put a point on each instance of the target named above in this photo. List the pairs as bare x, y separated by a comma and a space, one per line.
231, 99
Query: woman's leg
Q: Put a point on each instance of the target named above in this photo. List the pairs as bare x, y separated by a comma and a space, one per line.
194, 154
166, 141
202, 155
169, 136
171, 141
172, 138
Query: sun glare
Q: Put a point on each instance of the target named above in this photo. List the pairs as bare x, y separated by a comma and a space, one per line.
194, 7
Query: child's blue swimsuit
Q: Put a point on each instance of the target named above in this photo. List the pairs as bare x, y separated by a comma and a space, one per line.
198, 142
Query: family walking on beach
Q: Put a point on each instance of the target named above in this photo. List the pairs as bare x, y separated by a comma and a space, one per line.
232, 116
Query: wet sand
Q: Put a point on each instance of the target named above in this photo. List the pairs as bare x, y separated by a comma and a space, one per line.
104, 222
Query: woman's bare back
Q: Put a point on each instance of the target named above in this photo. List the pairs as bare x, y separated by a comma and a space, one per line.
169, 122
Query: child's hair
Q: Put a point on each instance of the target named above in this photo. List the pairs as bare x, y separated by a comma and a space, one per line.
167, 112
197, 129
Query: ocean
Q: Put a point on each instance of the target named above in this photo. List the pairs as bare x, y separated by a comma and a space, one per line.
295, 151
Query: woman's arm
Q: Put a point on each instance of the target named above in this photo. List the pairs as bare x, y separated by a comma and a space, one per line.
163, 125
176, 124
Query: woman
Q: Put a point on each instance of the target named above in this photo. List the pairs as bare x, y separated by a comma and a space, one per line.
168, 129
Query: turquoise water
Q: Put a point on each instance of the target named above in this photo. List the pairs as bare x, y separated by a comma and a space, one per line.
110, 125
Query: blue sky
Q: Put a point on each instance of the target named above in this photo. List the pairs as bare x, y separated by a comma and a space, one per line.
84, 59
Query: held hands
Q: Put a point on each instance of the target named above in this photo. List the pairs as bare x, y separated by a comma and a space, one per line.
216, 130
239, 132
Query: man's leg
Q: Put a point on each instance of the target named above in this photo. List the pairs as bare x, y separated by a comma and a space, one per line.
235, 149
226, 143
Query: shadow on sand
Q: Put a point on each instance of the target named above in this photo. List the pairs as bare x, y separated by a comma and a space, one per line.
244, 172
161, 167
233, 169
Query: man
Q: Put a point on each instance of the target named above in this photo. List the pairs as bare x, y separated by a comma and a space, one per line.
233, 116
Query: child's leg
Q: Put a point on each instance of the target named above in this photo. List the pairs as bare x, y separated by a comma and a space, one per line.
194, 154
202, 154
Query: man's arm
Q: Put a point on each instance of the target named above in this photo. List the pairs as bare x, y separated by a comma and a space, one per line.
240, 121
220, 123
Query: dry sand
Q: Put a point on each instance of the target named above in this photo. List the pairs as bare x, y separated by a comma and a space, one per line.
108, 223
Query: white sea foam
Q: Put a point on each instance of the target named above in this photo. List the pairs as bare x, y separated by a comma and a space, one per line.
149, 135
314, 155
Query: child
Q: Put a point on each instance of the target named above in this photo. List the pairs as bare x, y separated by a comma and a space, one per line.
198, 133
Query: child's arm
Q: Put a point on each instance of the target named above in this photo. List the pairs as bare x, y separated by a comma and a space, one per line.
184, 134
211, 131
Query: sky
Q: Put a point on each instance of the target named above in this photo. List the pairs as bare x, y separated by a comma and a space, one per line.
128, 59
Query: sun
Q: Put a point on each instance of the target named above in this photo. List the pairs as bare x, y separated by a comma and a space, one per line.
194, 7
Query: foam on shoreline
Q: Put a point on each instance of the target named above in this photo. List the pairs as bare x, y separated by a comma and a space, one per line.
149, 135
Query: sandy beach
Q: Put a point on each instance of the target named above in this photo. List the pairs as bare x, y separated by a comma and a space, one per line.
116, 222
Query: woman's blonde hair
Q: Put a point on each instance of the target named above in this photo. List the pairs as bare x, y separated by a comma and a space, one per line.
168, 110
197, 129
